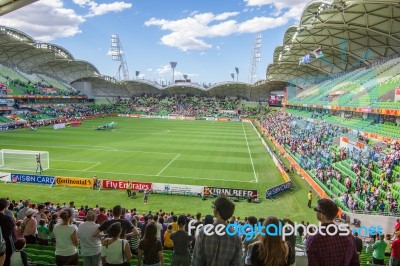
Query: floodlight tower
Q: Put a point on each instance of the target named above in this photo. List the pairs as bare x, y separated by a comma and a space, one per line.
137, 74
237, 74
117, 54
233, 76
173, 65
255, 58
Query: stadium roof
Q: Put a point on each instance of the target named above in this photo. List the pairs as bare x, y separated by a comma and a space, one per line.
351, 34
20, 50
7, 6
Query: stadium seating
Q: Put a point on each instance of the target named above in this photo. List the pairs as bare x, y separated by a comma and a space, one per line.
359, 88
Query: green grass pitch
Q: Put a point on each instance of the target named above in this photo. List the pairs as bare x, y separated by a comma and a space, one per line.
209, 153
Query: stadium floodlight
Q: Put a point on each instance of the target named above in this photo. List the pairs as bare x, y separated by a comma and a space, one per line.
137, 74
23, 160
173, 65
233, 76
117, 54
237, 74
185, 76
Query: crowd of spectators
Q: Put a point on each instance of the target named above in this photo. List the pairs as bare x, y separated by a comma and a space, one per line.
311, 143
115, 236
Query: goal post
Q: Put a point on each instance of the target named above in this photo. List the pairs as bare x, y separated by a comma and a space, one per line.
23, 160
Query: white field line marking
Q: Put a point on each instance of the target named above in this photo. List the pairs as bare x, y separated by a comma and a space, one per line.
90, 149
72, 161
90, 167
146, 175
251, 158
176, 157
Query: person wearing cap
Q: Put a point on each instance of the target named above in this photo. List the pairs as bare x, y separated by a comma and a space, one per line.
29, 225
90, 245
332, 249
221, 250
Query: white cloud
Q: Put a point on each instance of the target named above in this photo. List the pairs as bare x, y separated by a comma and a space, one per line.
163, 69
47, 20
294, 7
149, 69
190, 33
57, 22
101, 9
96, 9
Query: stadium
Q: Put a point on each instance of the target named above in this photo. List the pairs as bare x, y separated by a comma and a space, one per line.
324, 121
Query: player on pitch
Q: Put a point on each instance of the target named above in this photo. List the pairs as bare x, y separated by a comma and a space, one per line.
38, 164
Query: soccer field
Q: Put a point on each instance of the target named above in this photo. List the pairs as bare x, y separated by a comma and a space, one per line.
186, 152
207, 153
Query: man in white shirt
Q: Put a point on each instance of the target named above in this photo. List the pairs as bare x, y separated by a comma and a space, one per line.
90, 245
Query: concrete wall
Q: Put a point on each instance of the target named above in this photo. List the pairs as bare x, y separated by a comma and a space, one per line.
85, 87
386, 222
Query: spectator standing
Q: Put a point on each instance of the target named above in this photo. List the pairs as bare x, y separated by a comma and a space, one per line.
181, 239
22, 213
19, 257
150, 248
90, 245
269, 250
7, 225
43, 233
379, 247
388, 242
2, 249
114, 250
332, 249
168, 244
214, 249
395, 247
66, 237
102, 217
310, 196
125, 225
359, 243
135, 237
29, 225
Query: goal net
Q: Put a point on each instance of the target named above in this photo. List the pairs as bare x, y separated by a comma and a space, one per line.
24, 160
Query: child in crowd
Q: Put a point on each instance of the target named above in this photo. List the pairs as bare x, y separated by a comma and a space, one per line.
19, 232
43, 233
19, 257
168, 244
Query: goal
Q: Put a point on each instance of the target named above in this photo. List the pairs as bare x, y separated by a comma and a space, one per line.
23, 160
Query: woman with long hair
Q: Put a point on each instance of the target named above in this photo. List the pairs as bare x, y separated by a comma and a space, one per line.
114, 250
270, 249
150, 248
66, 237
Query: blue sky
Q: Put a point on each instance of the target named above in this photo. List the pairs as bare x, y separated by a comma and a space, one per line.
207, 38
